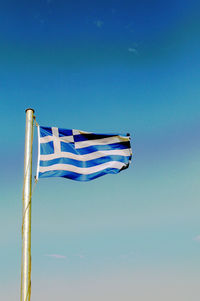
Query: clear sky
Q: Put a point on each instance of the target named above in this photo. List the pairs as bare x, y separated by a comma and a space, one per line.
105, 67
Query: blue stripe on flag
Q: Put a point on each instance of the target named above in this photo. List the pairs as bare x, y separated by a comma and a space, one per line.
68, 147
64, 132
77, 176
84, 137
89, 163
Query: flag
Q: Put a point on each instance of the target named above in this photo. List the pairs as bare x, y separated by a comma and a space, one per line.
80, 155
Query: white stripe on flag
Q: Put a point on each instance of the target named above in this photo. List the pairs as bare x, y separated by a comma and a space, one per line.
51, 138
56, 140
80, 170
86, 157
79, 132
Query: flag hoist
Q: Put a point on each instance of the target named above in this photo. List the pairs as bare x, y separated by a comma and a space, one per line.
26, 214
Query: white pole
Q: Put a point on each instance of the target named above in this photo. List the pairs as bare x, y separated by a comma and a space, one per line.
26, 220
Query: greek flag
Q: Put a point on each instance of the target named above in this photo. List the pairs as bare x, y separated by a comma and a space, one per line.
79, 155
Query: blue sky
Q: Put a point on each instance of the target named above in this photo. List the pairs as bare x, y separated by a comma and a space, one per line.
104, 66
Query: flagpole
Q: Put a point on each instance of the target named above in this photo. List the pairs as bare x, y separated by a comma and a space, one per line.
26, 219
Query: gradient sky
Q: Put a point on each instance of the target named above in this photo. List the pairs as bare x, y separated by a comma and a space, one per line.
104, 66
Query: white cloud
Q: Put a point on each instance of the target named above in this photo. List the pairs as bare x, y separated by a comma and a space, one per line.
197, 238
130, 27
57, 256
99, 23
133, 50
80, 255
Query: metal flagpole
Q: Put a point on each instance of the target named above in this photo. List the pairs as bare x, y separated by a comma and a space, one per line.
26, 220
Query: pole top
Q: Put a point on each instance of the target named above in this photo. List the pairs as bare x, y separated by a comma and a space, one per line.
29, 109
